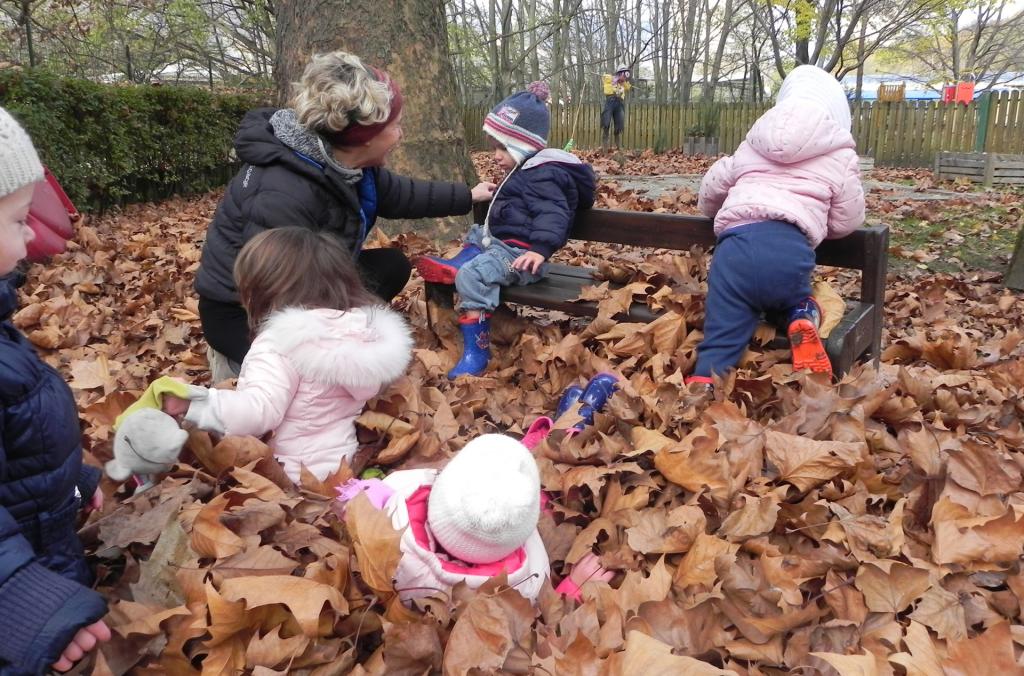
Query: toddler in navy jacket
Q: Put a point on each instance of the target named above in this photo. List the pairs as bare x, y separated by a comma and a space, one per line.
528, 220
49, 617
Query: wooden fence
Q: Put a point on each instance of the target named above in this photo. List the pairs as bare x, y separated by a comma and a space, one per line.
905, 133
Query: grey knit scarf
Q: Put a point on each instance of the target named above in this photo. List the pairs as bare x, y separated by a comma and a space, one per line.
297, 137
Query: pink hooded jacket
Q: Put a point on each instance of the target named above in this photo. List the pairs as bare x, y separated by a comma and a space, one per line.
306, 378
798, 164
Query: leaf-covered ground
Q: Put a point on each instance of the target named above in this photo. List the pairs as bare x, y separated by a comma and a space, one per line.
875, 526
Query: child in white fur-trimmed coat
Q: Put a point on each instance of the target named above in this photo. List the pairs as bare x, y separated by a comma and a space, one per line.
324, 346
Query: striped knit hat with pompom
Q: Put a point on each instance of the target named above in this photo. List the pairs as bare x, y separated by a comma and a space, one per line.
521, 122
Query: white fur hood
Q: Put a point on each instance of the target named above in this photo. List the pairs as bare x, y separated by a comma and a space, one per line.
364, 347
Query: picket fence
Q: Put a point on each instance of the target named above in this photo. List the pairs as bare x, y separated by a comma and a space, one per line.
905, 133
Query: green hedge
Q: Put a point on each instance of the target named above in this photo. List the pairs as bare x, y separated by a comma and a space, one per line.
118, 144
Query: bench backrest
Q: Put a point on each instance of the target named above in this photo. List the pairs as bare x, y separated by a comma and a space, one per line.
859, 250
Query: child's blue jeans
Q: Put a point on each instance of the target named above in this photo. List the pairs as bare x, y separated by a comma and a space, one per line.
480, 280
758, 268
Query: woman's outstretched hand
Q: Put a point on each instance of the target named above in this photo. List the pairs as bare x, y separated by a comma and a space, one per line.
483, 191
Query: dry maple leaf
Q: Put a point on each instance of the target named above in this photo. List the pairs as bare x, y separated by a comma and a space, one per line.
963, 538
756, 517
991, 652
650, 657
890, 586
210, 537
305, 598
412, 648
661, 532
87, 375
943, 612
924, 658
495, 621
375, 542
806, 463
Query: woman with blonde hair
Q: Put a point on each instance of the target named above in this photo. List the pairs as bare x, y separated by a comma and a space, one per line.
318, 164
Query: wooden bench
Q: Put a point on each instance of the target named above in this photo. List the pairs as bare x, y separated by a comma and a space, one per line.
858, 335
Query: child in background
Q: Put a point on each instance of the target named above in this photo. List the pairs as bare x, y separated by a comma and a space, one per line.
793, 182
324, 346
477, 517
528, 220
49, 617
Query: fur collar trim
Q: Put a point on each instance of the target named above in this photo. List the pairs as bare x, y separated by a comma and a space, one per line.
365, 348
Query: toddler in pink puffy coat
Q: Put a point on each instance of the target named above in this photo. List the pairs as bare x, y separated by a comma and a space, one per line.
324, 346
792, 183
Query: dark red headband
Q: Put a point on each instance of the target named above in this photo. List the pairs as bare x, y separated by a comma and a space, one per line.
356, 134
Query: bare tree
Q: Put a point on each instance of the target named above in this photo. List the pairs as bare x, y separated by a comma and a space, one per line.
981, 41
825, 33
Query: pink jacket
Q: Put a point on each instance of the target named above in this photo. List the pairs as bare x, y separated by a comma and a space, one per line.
796, 165
306, 378
423, 572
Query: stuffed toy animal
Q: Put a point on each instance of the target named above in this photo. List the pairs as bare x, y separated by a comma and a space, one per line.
147, 440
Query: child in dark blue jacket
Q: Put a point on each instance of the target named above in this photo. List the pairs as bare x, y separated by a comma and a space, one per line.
529, 219
49, 617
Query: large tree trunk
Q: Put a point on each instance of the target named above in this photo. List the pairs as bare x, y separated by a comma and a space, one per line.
409, 39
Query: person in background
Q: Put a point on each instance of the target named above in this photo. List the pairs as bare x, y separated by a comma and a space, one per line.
615, 87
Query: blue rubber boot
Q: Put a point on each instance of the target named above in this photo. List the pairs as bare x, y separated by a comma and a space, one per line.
569, 397
808, 309
476, 347
595, 396
443, 270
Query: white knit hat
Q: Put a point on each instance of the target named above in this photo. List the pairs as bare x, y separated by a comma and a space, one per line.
818, 88
485, 504
19, 163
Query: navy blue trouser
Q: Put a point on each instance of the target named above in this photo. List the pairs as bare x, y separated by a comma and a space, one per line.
758, 268
614, 111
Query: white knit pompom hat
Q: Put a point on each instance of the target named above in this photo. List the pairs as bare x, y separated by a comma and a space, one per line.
19, 163
485, 504
819, 88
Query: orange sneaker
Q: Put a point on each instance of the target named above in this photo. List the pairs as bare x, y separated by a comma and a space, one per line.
808, 351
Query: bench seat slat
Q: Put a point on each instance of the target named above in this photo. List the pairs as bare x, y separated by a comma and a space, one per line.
857, 336
681, 232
